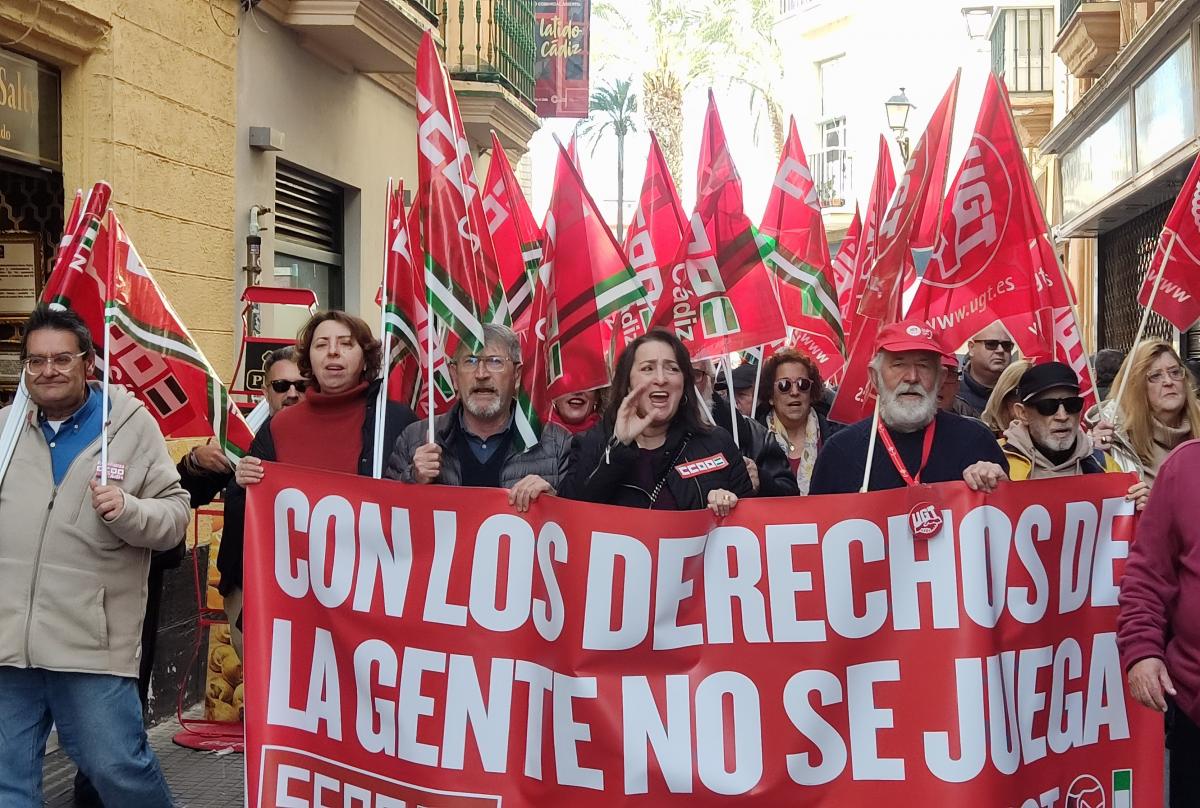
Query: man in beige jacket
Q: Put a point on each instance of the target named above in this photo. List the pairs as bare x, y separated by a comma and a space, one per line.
73, 561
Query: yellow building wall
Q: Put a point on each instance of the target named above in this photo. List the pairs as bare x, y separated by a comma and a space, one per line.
149, 105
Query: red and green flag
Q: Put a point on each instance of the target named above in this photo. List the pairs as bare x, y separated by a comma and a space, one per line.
462, 278
588, 280
515, 234
721, 299
792, 237
843, 263
655, 238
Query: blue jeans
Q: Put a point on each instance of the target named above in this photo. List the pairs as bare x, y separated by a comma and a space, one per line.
99, 720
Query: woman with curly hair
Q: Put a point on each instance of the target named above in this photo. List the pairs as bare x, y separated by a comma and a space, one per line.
1157, 410
791, 383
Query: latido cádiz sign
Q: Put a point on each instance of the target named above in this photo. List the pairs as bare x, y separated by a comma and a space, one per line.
30, 127
428, 646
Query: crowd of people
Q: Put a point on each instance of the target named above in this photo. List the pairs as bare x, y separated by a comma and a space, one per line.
75, 566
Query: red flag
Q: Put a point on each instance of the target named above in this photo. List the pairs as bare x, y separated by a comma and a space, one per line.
1177, 259
793, 236
721, 299
992, 260
413, 380
151, 351
880, 302
655, 238
461, 271
882, 188
589, 279
843, 263
515, 234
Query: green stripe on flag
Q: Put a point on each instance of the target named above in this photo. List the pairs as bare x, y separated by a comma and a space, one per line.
718, 318
528, 426
453, 305
616, 292
1122, 787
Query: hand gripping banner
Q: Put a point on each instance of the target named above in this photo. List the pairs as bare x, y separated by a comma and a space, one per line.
428, 646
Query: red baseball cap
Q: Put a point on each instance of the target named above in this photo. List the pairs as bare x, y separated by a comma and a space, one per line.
910, 335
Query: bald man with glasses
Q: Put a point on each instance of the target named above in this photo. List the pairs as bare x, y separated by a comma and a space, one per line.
988, 353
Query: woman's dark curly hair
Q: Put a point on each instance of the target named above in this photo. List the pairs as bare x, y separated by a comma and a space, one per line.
371, 347
771, 367
689, 406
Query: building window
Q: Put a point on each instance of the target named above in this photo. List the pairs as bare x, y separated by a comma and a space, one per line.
1163, 107
308, 235
1099, 163
1022, 40
832, 167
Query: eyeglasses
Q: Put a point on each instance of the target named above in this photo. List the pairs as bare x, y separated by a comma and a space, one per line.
698, 375
996, 344
802, 385
282, 385
494, 364
1160, 376
1049, 406
36, 365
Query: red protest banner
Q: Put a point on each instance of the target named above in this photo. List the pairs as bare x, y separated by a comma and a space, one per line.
429, 646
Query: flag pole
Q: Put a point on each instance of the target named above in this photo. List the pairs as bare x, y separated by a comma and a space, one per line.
871, 447
429, 343
733, 424
110, 273
386, 336
1162, 270
762, 349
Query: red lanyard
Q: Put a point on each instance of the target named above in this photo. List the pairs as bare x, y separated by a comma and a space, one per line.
898, 462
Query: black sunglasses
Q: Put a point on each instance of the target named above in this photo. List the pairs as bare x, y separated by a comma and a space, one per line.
1049, 406
282, 385
802, 385
993, 344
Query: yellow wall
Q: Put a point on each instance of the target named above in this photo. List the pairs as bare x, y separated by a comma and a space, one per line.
148, 104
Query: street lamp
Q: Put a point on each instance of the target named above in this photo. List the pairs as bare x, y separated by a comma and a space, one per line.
898, 107
978, 20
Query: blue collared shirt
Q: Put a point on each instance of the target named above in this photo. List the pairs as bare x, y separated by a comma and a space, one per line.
74, 434
483, 448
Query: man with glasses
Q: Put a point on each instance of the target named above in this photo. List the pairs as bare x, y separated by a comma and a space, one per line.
73, 563
474, 444
1045, 439
988, 353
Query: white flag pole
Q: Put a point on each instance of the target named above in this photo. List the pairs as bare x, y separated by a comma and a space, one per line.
386, 336
110, 276
762, 350
429, 346
733, 424
871, 447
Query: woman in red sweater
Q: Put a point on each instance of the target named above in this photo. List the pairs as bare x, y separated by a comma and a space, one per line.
333, 428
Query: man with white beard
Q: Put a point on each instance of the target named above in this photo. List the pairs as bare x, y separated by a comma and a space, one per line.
473, 443
915, 442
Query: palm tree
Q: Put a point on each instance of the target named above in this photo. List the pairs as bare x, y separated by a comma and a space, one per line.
613, 107
701, 41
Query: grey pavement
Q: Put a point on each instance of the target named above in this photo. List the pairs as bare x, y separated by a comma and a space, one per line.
198, 779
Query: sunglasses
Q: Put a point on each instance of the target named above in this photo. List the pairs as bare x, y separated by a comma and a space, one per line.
802, 385
997, 344
1049, 406
282, 385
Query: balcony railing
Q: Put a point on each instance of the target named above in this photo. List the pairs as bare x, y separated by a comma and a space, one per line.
1066, 8
833, 176
1022, 39
490, 40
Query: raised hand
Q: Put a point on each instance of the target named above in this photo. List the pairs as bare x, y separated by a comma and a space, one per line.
631, 421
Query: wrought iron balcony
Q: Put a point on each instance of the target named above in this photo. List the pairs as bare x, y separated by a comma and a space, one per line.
490, 40
1022, 39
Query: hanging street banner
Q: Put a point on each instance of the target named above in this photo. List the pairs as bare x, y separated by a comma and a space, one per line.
429, 646
561, 71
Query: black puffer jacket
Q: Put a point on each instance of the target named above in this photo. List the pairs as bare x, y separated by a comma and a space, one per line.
601, 469
775, 478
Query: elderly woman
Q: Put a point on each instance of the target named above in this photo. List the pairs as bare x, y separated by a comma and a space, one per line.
642, 452
333, 428
1000, 411
792, 383
579, 411
1158, 409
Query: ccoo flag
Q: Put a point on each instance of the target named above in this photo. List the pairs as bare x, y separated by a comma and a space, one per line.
719, 298
515, 234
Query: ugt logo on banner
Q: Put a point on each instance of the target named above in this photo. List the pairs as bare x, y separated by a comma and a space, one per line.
428, 646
